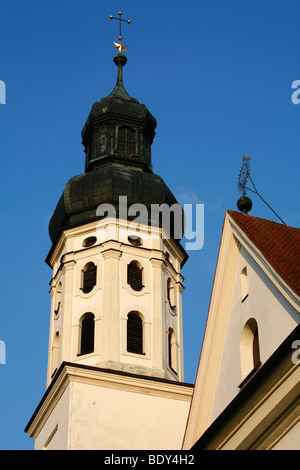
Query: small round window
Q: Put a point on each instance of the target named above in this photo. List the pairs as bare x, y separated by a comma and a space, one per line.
89, 241
135, 240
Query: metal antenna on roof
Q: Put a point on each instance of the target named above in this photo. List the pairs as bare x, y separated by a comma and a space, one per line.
244, 174
244, 203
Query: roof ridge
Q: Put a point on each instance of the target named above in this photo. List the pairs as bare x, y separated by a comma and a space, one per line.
279, 224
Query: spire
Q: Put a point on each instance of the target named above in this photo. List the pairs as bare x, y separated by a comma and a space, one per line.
119, 90
119, 128
120, 60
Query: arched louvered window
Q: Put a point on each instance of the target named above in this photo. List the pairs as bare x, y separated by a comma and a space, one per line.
171, 293
126, 141
134, 333
89, 278
135, 276
87, 334
58, 299
172, 350
55, 354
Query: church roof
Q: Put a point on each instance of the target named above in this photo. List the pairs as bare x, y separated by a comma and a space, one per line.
279, 244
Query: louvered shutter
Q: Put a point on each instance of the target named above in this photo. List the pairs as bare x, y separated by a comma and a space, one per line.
89, 278
169, 349
87, 334
134, 277
134, 333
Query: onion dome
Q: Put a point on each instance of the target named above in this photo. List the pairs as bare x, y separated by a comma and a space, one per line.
117, 138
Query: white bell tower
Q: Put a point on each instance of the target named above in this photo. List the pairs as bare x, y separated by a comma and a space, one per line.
116, 302
115, 365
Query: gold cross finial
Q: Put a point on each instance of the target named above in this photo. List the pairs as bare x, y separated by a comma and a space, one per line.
119, 45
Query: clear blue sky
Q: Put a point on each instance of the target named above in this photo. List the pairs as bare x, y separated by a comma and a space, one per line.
217, 76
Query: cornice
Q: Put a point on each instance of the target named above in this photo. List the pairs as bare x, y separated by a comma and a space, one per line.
48, 402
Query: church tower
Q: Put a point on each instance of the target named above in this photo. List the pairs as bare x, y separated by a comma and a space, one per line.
115, 375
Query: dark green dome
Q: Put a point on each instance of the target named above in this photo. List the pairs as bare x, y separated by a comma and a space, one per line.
117, 137
84, 193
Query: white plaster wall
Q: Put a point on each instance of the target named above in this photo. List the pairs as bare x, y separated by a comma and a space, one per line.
108, 418
275, 317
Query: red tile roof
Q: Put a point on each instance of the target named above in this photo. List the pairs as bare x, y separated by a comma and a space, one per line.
279, 244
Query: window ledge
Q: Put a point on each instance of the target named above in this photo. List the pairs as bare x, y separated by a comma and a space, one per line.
91, 353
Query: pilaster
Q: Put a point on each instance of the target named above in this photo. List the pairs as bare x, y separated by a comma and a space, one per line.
158, 313
110, 334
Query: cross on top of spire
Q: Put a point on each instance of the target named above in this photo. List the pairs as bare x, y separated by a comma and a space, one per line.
119, 45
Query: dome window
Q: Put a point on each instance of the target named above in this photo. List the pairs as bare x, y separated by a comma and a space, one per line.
126, 141
135, 240
90, 241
